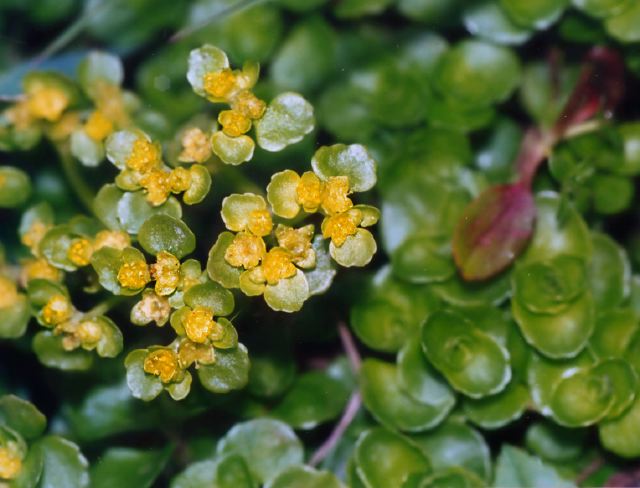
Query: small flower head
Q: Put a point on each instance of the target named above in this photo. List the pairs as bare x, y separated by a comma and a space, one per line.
80, 252
34, 269
157, 184
200, 327
145, 155
163, 363
47, 103
34, 234
134, 275
179, 180
191, 352
340, 226
334, 195
195, 146
88, 333
234, 123
57, 310
295, 241
249, 105
277, 265
151, 308
166, 272
98, 126
260, 223
8, 292
309, 192
220, 84
10, 462
116, 239
246, 250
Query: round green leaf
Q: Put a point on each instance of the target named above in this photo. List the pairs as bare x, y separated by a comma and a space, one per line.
99, 67
14, 318
129, 468
471, 360
614, 333
391, 406
517, 468
211, 295
237, 208
289, 294
321, 276
622, 435
288, 118
421, 259
304, 477
64, 464
85, 149
353, 161
111, 342
267, 446
217, 267
357, 250
105, 206
538, 14
489, 21
198, 474
22, 416
165, 233
229, 338
625, 26
48, 348
282, 193
118, 146
142, 385
554, 442
55, 247
134, 210
15, 187
496, 411
229, 372
232, 150
200, 185
609, 272
206, 59
401, 458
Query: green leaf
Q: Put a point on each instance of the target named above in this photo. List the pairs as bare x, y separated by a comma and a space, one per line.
314, 398
85, 149
206, 59
217, 267
107, 262
129, 468
554, 442
271, 374
357, 250
200, 185
289, 294
489, 21
165, 233
496, 411
197, 475
105, 206
353, 161
99, 67
229, 372
51, 353
456, 444
304, 477
391, 406
625, 26
423, 259
31, 471
321, 276
55, 246
282, 193
237, 208
622, 435
401, 458
232, 150
471, 360
142, 385
602, 8
211, 295
444, 478
288, 118
459, 292
119, 145
614, 333
609, 272
538, 14
64, 464
134, 210
477, 73
232, 472
517, 468
22, 416
267, 446
14, 318
15, 187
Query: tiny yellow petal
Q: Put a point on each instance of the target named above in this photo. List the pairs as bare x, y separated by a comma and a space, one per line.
260, 223
246, 250
162, 363
48, 103
334, 195
179, 180
98, 126
166, 272
10, 463
249, 105
277, 265
234, 123
309, 191
80, 252
144, 156
34, 269
134, 275
58, 309
200, 326
220, 84
157, 184
89, 333
339, 227
196, 147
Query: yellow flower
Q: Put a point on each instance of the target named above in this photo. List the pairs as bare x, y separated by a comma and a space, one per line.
57, 310
200, 327
110, 102
162, 363
179, 180
151, 308
309, 192
10, 463
249, 105
166, 272
246, 250
220, 84
116, 239
157, 184
296, 241
80, 252
19, 115
196, 147
33, 269
145, 155
98, 126
32, 237
134, 275
8, 292
277, 265
234, 123
191, 352
47, 103
334, 195
260, 223
340, 226
88, 333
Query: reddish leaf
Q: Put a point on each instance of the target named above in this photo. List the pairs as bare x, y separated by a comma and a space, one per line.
493, 230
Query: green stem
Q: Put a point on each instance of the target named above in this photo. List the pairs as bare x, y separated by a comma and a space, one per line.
105, 305
69, 166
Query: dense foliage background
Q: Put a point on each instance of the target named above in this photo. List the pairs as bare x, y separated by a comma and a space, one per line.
529, 378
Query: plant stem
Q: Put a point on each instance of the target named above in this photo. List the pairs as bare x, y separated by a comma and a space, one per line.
105, 305
83, 191
353, 405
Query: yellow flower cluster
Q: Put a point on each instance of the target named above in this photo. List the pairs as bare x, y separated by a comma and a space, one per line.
10, 462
